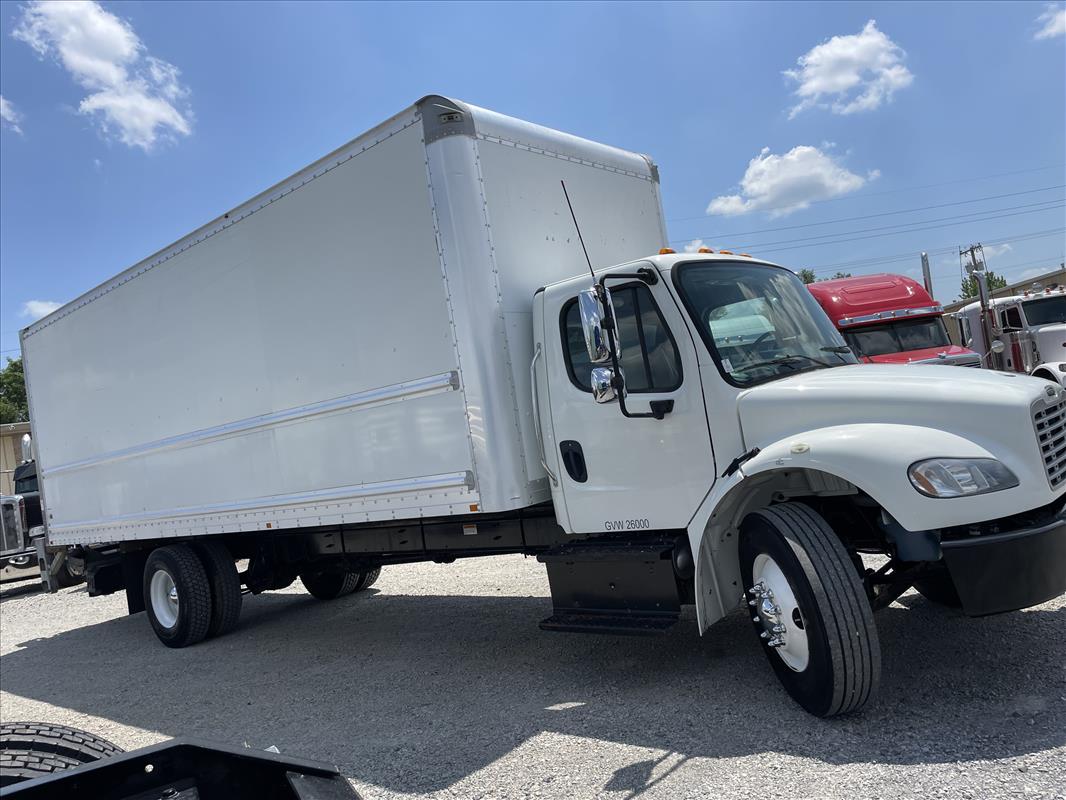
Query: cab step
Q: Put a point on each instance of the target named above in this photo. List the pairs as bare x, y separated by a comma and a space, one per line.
614, 586
618, 624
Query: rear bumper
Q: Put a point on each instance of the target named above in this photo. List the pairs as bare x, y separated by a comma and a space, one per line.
1009, 570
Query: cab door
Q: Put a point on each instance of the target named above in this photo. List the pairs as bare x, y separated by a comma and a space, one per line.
615, 473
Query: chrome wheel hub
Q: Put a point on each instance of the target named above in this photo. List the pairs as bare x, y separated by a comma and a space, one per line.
776, 611
163, 593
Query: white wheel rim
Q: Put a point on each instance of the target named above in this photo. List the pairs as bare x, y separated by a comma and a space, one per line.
164, 595
781, 609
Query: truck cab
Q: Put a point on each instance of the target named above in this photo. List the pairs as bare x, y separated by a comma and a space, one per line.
1031, 330
890, 319
707, 397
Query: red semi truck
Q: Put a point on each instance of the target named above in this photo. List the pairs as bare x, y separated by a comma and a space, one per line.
890, 319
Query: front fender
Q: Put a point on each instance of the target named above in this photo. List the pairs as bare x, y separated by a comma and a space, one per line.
875, 457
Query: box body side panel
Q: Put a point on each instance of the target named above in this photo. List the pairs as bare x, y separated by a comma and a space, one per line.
296, 367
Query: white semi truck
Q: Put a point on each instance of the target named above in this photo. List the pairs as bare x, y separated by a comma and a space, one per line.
1023, 333
399, 354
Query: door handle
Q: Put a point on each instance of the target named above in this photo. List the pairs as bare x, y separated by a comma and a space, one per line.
573, 458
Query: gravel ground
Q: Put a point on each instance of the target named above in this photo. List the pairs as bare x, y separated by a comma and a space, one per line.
438, 683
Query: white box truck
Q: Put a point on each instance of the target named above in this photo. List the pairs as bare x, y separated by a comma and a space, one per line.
399, 354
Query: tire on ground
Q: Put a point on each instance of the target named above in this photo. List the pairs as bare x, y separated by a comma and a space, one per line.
843, 666
64, 577
191, 607
368, 579
225, 586
331, 585
36, 749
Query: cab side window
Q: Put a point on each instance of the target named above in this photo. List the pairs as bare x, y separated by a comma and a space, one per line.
1011, 318
649, 358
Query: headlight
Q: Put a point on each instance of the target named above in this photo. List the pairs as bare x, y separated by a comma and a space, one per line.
960, 477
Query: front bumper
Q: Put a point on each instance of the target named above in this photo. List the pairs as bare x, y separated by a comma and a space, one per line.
1009, 570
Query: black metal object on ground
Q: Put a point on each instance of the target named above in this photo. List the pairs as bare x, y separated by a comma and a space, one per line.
183, 769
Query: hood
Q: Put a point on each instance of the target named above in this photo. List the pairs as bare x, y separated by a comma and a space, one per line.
953, 354
993, 408
1051, 341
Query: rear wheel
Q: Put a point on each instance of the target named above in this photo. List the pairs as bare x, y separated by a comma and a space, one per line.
177, 596
35, 749
221, 572
810, 609
331, 585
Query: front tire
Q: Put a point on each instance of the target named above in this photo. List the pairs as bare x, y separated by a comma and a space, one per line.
177, 596
810, 609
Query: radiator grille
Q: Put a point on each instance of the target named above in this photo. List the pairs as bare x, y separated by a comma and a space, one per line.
1050, 424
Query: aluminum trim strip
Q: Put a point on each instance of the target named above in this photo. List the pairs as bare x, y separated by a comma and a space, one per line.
446, 381
451, 480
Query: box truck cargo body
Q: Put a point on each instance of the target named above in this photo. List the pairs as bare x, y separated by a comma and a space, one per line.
403, 353
318, 355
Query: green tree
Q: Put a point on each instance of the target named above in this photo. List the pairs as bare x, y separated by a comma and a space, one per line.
969, 286
13, 393
837, 276
807, 275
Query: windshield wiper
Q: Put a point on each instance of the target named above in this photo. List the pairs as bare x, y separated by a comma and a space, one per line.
838, 351
789, 358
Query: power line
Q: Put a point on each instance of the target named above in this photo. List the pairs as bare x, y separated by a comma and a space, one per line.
830, 237
876, 260
866, 216
897, 191
910, 230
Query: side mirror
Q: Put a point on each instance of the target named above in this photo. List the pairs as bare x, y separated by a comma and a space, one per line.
592, 325
603, 390
997, 347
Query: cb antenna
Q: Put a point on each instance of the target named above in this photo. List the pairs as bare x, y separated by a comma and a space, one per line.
577, 227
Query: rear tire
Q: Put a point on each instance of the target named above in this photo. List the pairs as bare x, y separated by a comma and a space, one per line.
35, 749
177, 596
221, 572
827, 654
369, 579
331, 585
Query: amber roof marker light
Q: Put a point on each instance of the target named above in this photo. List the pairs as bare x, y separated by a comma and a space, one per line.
665, 251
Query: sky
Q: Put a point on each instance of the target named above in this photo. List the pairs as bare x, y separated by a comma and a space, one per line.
830, 136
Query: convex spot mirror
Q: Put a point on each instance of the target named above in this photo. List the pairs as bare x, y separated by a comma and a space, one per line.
592, 324
603, 390
997, 347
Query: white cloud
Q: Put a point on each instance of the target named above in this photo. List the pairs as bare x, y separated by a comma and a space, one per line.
852, 73
790, 182
694, 246
35, 309
996, 250
9, 117
1052, 22
134, 96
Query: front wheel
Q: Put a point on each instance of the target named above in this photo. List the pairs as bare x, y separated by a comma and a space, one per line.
810, 609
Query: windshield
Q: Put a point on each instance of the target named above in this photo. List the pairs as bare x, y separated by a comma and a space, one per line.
897, 337
1045, 310
760, 323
